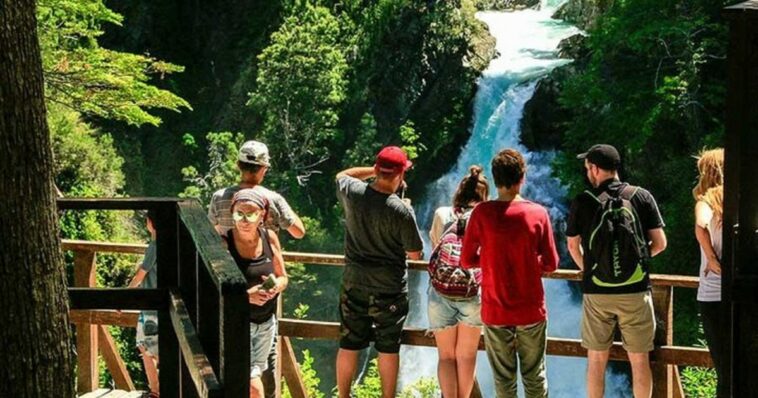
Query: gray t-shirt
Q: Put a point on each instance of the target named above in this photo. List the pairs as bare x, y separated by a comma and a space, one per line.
379, 229
280, 214
149, 265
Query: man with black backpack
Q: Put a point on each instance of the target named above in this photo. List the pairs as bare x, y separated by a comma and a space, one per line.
613, 231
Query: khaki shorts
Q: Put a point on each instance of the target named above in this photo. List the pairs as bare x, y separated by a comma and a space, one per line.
633, 313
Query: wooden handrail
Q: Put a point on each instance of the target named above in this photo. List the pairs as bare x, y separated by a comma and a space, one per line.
671, 355
338, 260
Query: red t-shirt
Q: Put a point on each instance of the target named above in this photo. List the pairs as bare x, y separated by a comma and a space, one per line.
513, 244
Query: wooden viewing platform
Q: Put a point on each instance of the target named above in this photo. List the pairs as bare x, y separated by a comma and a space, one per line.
665, 358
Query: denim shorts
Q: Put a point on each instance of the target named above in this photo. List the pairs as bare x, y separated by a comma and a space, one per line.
445, 312
147, 331
261, 343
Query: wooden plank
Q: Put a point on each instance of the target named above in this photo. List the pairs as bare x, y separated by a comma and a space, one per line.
86, 334
684, 356
663, 375
291, 370
103, 247
204, 378
166, 240
225, 273
113, 360
234, 359
99, 393
126, 319
116, 298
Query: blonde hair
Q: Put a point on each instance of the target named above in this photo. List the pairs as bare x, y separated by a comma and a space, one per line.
714, 198
710, 165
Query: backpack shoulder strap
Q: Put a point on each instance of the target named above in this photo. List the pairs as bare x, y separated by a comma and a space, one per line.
600, 199
628, 191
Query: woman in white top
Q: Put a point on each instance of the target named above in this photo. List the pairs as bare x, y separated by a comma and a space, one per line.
709, 195
457, 322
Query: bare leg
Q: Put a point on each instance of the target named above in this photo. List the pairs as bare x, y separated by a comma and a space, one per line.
256, 388
465, 351
596, 363
347, 361
642, 376
446, 367
388, 366
151, 368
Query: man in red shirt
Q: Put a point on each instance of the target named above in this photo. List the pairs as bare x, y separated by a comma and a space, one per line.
511, 240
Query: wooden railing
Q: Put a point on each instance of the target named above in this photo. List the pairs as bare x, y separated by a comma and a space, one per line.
665, 358
199, 340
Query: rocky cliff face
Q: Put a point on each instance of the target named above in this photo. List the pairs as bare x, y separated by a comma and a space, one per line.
544, 119
506, 4
583, 13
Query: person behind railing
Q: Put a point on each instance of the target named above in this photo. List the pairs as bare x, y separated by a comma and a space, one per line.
454, 299
253, 162
709, 210
511, 240
146, 277
380, 233
258, 255
613, 230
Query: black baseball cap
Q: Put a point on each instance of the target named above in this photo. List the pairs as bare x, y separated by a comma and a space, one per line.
602, 155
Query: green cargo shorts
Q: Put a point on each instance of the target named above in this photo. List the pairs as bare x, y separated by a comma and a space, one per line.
367, 316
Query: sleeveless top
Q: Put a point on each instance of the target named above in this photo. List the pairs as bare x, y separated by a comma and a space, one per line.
253, 270
709, 289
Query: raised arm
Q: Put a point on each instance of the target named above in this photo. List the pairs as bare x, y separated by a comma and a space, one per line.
282, 280
361, 173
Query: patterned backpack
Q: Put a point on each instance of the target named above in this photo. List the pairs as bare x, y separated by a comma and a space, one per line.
446, 274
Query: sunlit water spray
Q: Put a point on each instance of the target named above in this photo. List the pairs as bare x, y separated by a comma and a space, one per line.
526, 43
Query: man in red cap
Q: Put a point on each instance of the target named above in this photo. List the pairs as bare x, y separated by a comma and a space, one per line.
380, 234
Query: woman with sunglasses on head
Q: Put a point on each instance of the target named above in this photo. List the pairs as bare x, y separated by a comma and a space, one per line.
258, 255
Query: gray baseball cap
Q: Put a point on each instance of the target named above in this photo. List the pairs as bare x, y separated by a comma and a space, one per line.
255, 152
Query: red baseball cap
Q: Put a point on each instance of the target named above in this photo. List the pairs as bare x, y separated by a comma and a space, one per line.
392, 159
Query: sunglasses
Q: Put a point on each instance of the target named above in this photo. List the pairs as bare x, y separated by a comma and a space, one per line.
249, 217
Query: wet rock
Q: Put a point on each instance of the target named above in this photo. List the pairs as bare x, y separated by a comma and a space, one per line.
583, 13
544, 119
506, 4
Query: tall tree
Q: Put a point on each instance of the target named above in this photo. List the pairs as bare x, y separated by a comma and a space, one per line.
35, 333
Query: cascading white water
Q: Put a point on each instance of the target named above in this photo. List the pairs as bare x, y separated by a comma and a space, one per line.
526, 43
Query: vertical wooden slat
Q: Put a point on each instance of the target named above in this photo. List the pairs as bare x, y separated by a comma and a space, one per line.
279, 351
167, 257
666, 382
291, 370
113, 360
235, 336
86, 334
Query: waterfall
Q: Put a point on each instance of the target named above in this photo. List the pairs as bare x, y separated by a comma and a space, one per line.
526, 43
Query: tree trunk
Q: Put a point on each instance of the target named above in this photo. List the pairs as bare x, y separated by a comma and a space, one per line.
35, 337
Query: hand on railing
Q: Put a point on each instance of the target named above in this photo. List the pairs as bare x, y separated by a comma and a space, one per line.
258, 295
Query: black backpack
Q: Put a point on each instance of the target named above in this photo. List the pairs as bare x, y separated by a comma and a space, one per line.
618, 252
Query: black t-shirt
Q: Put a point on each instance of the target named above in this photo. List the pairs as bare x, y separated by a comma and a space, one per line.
583, 209
254, 269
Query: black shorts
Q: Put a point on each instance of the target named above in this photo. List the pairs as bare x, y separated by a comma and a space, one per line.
367, 316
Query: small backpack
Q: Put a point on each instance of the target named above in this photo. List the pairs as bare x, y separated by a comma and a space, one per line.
618, 253
447, 276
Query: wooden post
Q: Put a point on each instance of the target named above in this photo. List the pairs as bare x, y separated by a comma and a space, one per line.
86, 333
666, 382
279, 351
166, 267
291, 369
113, 360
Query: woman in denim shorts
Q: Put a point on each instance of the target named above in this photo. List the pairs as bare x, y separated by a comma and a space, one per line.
456, 323
258, 255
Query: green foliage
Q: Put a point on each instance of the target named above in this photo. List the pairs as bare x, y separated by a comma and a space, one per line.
310, 379
300, 85
410, 139
371, 386
222, 166
93, 80
698, 382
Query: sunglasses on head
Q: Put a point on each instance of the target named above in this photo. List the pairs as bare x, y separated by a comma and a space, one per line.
249, 217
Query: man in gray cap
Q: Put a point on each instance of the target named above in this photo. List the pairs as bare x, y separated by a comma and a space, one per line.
613, 230
253, 163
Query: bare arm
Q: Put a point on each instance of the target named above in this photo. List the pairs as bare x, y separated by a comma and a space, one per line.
703, 215
361, 173
297, 229
574, 244
281, 273
657, 241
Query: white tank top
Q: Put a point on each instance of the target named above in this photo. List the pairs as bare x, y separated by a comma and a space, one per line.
710, 286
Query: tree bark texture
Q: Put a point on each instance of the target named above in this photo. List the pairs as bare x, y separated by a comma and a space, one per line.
35, 336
